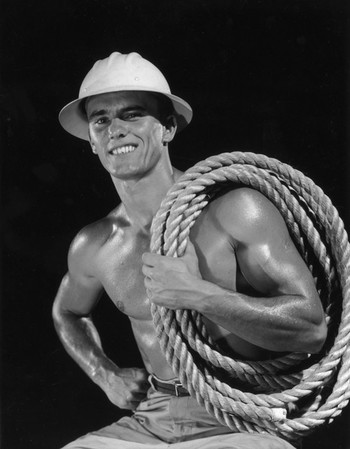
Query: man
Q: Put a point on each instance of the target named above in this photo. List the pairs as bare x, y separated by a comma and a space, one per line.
241, 271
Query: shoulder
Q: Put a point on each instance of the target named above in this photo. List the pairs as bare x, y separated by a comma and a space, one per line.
90, 239
92, 236
246, 213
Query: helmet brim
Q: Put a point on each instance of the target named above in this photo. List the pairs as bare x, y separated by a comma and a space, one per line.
73, 119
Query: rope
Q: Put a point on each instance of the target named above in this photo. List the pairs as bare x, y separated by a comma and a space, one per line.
292, 395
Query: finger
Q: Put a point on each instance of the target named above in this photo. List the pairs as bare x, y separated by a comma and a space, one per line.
133, 405
146, 385
140, 374
148, 283
159, 262
139, 397
150, 258
147, 270
143, 387
149, 293
144, 374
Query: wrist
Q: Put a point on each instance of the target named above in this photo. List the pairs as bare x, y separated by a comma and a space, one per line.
211, 294
100, 373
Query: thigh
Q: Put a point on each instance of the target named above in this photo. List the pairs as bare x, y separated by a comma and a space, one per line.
127, 433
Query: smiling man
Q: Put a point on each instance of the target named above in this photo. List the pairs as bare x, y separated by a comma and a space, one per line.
241, 271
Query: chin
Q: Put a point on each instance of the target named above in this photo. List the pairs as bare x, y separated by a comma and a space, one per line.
127, 175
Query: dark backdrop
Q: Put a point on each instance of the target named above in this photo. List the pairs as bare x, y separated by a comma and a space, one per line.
262, 76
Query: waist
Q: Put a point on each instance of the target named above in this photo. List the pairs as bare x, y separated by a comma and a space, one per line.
173, 386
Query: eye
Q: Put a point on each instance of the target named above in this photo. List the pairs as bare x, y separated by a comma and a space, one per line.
132, 115
101, 121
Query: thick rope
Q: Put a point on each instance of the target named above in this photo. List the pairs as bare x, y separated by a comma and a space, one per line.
292, 395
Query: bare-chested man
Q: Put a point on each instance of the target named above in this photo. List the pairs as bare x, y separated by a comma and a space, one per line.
241, 271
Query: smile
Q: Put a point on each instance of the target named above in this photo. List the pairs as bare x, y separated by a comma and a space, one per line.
123, 150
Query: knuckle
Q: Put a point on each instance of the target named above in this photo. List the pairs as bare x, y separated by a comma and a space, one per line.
140, 375
122, 403
132, 386
128, 397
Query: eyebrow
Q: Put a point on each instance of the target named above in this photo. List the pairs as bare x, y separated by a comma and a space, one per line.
101, 112
97, 113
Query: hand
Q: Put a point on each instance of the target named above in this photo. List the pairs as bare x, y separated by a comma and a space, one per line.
175, 283
126, 387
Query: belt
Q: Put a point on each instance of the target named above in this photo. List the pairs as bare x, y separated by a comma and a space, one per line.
173, 387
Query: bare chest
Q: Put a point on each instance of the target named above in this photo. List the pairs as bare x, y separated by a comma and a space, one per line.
119, 265
119, 268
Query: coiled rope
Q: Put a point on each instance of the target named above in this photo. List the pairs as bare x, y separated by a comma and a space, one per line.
292, 395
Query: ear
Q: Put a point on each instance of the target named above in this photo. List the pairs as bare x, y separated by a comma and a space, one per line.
93, 147
169, 129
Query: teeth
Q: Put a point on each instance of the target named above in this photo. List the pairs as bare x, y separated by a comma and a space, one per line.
124, 150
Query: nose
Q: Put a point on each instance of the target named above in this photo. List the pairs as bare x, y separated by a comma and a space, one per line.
117, 129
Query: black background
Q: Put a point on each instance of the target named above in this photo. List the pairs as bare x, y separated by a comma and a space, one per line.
263, 76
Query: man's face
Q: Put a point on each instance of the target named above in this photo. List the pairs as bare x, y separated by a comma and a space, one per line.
126, 132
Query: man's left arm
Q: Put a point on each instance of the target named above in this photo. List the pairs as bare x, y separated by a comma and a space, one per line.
286, 316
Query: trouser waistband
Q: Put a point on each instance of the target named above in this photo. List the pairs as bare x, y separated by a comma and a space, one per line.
173, 387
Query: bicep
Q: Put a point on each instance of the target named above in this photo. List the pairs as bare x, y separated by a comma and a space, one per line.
265, 252
80, 290
272, 265
77, 295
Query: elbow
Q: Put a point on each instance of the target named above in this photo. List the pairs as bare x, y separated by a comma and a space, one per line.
56, 316
316, 338
60, 315
310, 338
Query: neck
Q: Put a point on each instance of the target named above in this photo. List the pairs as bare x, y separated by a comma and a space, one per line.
142, 197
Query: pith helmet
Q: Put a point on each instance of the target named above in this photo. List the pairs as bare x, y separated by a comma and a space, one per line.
118, 72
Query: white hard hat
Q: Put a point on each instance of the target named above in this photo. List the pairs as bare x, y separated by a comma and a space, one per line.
118, 72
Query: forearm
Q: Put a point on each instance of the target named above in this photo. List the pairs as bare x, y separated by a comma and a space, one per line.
81, 340
124, 387
289, 317
279, 323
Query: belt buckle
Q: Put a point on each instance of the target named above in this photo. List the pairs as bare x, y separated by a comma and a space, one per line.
177, 385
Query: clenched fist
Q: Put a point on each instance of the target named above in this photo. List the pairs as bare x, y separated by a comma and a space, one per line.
175, 283
126, 387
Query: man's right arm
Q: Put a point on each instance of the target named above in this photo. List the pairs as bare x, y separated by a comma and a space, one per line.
77, 296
